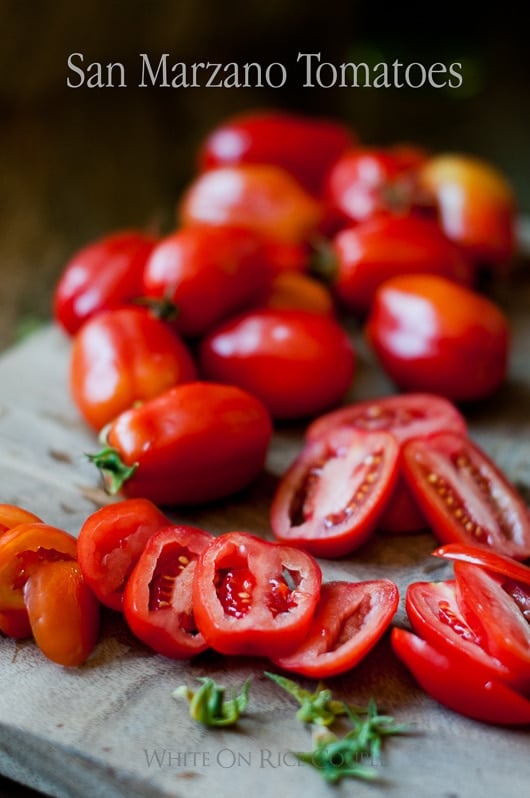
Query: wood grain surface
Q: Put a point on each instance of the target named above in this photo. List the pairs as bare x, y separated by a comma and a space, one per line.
111, 727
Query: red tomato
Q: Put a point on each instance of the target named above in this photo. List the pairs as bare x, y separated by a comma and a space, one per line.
468, 691
208, 273
102, 275
291, 290
111, 541
331, 497
254, 597
434, 611
406, 416
260, 197
464, 496
476, 206
157, 602
430, 334
123, 356
63, 612
386, 246
23, 549
296, 362
349, 620
305, 146
193, 443
488, 559
504, 630
11, 515
366, 181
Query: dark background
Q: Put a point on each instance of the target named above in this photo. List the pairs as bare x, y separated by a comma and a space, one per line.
77, 163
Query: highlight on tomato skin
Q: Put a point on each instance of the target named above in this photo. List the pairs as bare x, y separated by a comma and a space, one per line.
490, 560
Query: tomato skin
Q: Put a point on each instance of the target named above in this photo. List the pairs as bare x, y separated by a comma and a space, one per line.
304, 146
161, 626
490, 560
476, 206
455, 484
470, 692
353, 614
23, 549
208, 273
110, 542
298, 363
430, 334
104, 274
63, 612
292, 290
329, 500
412, 415
386, 246
255, 628
11, 515
256, 196
193, 443
15, 623
123, 356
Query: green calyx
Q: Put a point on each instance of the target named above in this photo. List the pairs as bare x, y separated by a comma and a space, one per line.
115, 472
208, 704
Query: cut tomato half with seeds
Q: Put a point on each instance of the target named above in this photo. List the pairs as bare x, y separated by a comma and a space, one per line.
349, 620
254, 597
330, 499
157, 601
464, 496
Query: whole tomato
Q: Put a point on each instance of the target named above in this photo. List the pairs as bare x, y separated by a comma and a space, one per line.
105, 274
304, 146
123, 356
208, 273
191, 444
476, 206
431, 334
257, 196
298, 363
387, 245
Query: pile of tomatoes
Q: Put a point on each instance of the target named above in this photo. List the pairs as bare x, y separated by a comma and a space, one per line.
188, 348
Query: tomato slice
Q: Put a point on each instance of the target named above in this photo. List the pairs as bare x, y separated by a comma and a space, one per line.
412, 415
435, 615
492, 610
111, 541
157, 602
254, 597
470, 692
23, 549
488, 559
464, 496
12, 515
331, 497
63, 612
349, 620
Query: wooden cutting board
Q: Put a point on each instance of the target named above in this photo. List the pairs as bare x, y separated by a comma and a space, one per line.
111, 727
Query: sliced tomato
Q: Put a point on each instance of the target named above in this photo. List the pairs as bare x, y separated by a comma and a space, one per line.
157, 602
111, 541
503, 627
434, 613
349, 620
464, 495
23, 549
331, 497
254, 597
63, 612
469, 691
488, 559
12, 515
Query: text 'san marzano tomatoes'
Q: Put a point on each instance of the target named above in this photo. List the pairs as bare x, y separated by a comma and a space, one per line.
329, 501
305, 146
349, 620
208, 273
430, 334
298, 363
123, 356
105, 274
191, 444
254, 597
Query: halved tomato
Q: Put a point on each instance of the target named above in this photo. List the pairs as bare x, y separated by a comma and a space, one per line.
329, 500
349, 620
